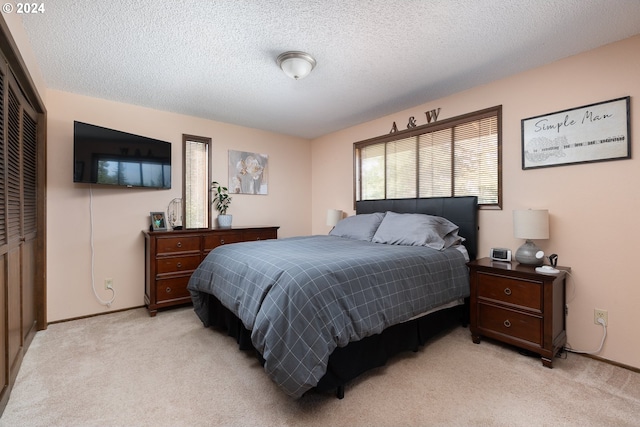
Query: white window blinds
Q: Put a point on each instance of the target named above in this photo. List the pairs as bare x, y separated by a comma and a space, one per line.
196, 182
457, 157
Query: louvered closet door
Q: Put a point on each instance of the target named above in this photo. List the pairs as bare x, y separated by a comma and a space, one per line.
29, 222
20, 225
13, 230
4, 374
22, 213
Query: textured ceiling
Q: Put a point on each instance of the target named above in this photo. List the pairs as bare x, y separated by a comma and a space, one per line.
217, 59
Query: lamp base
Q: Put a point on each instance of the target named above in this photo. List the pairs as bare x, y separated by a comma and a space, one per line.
528, 254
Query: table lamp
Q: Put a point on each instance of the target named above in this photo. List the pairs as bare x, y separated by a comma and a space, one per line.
333, 216
530, 224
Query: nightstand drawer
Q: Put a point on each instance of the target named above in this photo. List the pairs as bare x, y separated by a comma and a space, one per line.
171, 289
517, 292
177, 244
175, 264
511, 323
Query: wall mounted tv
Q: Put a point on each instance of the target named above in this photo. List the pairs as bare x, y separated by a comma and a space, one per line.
107, 156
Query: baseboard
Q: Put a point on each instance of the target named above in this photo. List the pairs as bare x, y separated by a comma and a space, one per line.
94, 315
611, 362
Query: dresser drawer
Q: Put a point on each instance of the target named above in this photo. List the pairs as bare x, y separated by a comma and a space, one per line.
250, 235
517, 292
172, 289
212, 241
177, 244
511, 323
176, 264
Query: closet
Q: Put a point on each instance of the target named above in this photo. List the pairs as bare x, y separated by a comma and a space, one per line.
22, 213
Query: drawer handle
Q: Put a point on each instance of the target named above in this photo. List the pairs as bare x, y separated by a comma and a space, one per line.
179, 244
507, 323
257, 238
222, 241
179, 265
168, 290
507, 291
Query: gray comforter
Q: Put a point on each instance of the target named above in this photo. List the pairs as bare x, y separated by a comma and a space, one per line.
301, 297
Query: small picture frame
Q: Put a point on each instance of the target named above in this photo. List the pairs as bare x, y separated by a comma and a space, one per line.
158, 221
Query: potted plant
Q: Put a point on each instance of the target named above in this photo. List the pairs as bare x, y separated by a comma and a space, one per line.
221, 201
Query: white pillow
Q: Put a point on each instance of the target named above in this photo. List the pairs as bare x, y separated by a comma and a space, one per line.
416, 230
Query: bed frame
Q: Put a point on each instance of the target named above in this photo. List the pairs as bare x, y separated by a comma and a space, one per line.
346, 363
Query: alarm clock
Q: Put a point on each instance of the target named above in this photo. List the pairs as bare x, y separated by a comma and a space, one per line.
500, 254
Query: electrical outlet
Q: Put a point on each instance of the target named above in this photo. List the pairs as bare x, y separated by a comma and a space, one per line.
108, 284
600, 314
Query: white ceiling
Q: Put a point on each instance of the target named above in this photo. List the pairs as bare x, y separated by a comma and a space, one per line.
217, 59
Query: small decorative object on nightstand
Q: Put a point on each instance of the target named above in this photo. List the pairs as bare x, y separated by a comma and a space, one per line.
513, 303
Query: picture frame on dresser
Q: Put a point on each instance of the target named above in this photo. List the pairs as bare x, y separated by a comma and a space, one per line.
158, 221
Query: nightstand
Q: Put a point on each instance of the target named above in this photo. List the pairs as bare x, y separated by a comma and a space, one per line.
512, 303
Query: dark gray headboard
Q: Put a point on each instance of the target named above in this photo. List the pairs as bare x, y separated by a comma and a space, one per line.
462, 211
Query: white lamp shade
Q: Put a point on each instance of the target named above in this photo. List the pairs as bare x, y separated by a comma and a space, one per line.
333, 216
531, 224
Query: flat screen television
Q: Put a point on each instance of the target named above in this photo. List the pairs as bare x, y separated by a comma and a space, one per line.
111, 157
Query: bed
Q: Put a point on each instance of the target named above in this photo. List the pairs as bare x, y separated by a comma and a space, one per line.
320, 310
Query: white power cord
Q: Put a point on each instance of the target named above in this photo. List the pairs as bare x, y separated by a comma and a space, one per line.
600, 321
93, 281
604, 335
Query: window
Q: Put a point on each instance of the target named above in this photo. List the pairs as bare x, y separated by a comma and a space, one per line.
455, 157
196, 181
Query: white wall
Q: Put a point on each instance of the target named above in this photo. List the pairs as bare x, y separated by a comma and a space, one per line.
120, 214
594, 208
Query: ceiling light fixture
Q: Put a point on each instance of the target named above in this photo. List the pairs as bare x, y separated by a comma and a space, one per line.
296, 65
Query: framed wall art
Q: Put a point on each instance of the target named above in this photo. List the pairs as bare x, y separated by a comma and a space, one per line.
248, 173
591, 133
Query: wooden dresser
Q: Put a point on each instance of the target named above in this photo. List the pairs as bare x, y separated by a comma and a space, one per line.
512, 303
172, 256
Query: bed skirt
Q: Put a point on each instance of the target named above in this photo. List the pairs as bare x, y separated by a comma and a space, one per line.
346, 363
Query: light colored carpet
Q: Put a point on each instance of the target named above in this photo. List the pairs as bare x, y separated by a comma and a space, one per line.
128, 369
